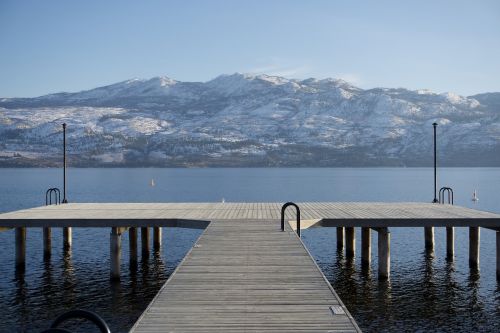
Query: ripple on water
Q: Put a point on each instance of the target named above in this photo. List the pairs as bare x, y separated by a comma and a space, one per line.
427, 294
420, 296
81, 280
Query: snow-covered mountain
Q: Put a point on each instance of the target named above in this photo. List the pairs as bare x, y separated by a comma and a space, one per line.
249, 120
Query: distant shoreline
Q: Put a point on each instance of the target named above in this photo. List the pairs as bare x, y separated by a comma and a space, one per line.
250, 167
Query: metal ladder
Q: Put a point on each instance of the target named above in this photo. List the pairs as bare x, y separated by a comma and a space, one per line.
297, 209
57, 196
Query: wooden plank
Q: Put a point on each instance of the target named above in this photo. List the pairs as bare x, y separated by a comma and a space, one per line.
346, 214
246, 276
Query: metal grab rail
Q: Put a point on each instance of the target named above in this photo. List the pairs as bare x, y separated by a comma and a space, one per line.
449, 191
48, 196
78, 314
283, 216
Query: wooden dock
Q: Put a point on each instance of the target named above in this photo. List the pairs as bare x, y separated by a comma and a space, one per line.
347, 214
247, 276
244, 273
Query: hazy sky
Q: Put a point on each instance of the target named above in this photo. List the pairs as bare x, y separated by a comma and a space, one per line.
51, 46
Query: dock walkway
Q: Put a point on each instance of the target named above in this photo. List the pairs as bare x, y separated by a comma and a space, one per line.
247, 276
356, 214
345, 216
244, 274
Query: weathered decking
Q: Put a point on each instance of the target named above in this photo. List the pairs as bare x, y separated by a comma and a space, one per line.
247, 276
244, 274
358, 214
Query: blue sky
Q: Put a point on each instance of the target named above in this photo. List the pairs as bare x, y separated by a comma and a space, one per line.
51, 46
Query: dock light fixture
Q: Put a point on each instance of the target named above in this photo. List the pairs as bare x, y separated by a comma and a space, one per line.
64, 163
435, 166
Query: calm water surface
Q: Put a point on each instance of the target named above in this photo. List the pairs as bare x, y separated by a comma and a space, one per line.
424, 294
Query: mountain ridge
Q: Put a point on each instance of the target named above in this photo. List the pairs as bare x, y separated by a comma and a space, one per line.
250, 120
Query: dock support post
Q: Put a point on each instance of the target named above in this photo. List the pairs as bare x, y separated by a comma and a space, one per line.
350, 240
429, 239
340, 238
67, 238
115, 247
366, 246
156, 238
384, 253
145, 241
498, 255
47, 243
132, 242
450, 243
474, 236
20, 247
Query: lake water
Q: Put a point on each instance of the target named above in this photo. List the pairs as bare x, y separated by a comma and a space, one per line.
424, 294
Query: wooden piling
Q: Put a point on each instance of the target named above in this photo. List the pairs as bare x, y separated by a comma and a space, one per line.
115, 247
198, 214
20, 247
450, 243
340, 238
429, 239
156, 238
474, 237
47, 243
132, 241
67, 238
350, 240
366, 246
145, 241
384, 253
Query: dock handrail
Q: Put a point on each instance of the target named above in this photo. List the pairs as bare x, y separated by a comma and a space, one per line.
449, 191
48, 196
78, 314
283, 216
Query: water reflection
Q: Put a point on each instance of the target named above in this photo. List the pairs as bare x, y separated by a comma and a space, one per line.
69, 279
48, 284
132, 266
145, 268
159, 265
366, 269
497, 298
426, 292
475, 301
452, 287
20, 272
20, 298
79, 278
21, 285
384, 294
367, 288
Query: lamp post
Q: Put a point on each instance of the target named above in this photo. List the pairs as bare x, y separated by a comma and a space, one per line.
435, 166
64, 163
